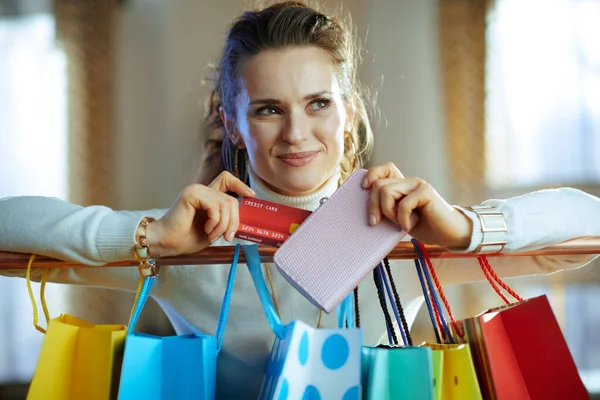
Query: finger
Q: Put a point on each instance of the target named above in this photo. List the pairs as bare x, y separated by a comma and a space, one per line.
375, 202
213, 215
387, 170
226, 182
393, 192
221, 227
406, 216
234, 220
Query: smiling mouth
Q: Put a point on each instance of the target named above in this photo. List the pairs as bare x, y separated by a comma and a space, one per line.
299, 159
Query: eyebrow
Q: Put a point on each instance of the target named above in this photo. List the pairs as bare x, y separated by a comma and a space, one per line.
311, 96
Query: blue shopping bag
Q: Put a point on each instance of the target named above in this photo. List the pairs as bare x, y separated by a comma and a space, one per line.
305, 362
172, 367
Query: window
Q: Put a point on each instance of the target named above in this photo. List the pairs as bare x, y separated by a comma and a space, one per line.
543, 129
543, 93
33, 161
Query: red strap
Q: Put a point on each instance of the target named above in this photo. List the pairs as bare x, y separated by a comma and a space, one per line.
495, 280
457, 328
436, 310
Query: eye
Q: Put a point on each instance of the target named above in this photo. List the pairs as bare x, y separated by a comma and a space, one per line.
319, 104
266, 111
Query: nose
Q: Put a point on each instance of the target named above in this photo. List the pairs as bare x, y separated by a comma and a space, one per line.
296, 128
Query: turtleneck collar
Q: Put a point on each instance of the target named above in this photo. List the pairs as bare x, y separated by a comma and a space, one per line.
309, 202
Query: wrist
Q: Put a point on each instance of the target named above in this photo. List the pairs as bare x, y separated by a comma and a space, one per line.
464, 233
154, 240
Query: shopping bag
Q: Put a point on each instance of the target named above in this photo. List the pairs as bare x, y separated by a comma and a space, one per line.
397, 371
173, 367
520, 351
437, 361
455, 373
78, 360
457, 377
305, 362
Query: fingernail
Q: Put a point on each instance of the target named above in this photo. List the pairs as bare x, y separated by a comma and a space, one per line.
372, 220
252, 192
365, 182
230, 236
213, 240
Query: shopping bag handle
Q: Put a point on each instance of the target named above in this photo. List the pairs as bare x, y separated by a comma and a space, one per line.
495, 280
227, 299
145, 287
426, 271
253, 261
390, 288
42, 294
345, 312
378, 280
141, 297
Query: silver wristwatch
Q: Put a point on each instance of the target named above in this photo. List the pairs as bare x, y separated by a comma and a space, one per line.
493, 227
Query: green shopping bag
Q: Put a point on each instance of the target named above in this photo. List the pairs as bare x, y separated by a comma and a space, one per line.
437, 361
397, 371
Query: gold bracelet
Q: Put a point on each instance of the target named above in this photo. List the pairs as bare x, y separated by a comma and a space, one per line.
148, 265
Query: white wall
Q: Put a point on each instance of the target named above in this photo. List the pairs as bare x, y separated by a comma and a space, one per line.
403, 42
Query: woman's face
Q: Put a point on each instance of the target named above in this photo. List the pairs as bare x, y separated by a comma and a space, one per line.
290, 116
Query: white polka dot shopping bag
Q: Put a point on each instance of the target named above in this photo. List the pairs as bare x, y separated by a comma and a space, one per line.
307, 363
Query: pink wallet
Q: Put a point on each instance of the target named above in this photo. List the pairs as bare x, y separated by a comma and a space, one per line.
335, 248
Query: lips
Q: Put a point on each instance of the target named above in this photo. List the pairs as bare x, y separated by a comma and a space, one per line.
299, 159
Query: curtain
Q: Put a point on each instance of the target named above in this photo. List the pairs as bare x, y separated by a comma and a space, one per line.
462, 27
33, 161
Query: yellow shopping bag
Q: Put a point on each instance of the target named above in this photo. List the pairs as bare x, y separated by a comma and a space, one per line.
456, 370
78, 360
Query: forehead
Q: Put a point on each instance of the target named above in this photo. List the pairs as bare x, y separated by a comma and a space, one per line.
290, 73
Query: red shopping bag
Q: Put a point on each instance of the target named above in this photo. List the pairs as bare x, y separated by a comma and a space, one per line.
520, 352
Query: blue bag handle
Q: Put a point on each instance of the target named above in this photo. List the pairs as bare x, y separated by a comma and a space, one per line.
222, 322
345, 312
386, 285
254, 266
423, 272
141, 302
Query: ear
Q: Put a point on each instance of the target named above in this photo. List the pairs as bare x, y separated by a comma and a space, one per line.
231, 130
350, 114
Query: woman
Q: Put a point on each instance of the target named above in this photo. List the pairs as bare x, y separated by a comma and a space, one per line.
293, 127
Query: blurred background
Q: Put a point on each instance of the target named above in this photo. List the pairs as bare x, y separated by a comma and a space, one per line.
101, 102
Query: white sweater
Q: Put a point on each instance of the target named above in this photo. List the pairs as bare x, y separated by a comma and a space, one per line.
191, 295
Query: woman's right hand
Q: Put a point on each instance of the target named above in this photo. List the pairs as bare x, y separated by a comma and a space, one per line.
201, 215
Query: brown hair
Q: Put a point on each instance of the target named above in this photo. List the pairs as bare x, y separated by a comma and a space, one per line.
281, 25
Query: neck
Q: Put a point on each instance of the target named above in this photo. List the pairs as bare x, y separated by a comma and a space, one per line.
308, 202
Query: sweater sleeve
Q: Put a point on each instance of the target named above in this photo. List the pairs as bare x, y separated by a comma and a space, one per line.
535, 220
93, 235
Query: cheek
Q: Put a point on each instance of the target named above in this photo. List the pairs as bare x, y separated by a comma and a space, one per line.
331, 132
260, 137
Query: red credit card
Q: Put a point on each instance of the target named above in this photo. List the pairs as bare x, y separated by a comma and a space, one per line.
268, 223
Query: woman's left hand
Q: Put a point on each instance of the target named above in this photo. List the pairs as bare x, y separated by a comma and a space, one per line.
416, 207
